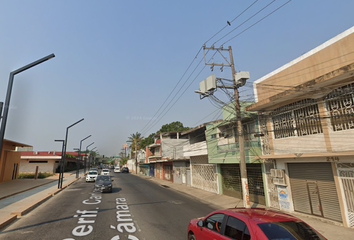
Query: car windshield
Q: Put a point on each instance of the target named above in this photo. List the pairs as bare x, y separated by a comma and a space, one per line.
103, 178
92, 173
105, 170
290, 230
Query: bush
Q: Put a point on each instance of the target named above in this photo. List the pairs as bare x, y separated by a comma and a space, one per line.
31, 175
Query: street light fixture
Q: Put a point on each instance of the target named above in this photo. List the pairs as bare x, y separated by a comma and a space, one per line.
61, 160
86, 156
8, 94
64, 152
77, 162
90, 154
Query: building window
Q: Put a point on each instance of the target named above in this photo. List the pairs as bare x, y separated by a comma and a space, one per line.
340, 105
297, 119
213, 136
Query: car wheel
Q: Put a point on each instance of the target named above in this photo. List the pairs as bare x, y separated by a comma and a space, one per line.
191, 236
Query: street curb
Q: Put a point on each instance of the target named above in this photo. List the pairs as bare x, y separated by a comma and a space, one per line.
4, 221
22, 211
25, 190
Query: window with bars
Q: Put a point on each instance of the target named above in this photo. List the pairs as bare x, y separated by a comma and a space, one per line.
297, 119
340, 105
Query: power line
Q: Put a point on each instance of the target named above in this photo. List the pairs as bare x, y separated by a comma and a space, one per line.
231, 21
173, 89
257, 22
245, 21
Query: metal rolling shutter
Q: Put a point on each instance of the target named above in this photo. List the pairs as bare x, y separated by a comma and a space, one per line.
305, 179
231, 181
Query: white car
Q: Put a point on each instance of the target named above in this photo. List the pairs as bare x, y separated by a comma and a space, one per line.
91, 176
105, 172
117, 169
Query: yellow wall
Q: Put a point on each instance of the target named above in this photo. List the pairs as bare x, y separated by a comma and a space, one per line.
337, 54
7, 161
11, 159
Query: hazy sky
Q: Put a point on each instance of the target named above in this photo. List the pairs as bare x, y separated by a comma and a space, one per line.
123, 65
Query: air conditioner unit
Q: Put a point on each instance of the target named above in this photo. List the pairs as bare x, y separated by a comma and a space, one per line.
278, 173
279, 181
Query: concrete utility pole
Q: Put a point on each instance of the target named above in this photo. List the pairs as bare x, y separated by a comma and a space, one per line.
136, 158
241, 140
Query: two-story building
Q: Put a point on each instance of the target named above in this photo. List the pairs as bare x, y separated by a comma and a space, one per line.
166, 151
223, 150
306, 113
200, 174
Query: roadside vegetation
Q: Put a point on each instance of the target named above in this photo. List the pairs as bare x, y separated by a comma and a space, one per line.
31, 175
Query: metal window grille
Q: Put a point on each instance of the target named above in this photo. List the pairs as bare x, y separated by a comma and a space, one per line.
340, 105
297, 119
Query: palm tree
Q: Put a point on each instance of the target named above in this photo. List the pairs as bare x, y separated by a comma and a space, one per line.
135, 140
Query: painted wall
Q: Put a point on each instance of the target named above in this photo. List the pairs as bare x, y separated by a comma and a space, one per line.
12, 158
27, 167
331, 55
173, 148
217, 148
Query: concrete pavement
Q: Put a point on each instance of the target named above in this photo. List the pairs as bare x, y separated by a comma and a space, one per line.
330, 229
20, 196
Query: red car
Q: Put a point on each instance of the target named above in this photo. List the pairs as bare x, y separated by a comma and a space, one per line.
250, 224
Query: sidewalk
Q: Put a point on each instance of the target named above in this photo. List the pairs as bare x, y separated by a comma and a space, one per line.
34, 192
20, 196
330, 229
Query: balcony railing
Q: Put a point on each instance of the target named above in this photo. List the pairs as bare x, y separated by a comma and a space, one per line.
235, 146
195, 149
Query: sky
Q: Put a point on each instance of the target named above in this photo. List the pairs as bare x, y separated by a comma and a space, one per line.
133, 66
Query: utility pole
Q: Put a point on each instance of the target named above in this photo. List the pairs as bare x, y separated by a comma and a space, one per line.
136, 158
241, 140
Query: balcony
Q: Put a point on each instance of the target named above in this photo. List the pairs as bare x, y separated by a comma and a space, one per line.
195, 149
233, 147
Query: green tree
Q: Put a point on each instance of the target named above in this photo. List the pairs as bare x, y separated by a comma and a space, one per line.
123, 161
173, 127
147, 141
135, 141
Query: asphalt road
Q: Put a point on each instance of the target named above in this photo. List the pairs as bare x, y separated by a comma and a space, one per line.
137, 209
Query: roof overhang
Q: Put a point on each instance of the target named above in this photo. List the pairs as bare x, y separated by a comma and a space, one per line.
16, 144
314, 89
200, 126
307, 155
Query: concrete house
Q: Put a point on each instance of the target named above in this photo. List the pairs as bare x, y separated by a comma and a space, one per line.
200, 174
166, 152
306, 116
223, 151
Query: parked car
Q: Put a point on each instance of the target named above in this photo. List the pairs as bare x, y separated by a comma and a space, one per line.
105, 172
91, 176
125, 170
253, 223
103, 183
117, 169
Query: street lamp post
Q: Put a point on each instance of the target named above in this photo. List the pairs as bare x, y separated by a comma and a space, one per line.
86, 156
61, 160
77, 162
64, 152
8, 94
90, 154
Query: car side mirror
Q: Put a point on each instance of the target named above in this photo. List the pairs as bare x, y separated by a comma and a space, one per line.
200, 223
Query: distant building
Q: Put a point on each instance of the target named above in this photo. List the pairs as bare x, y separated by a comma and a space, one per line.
10, 160
46, 161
